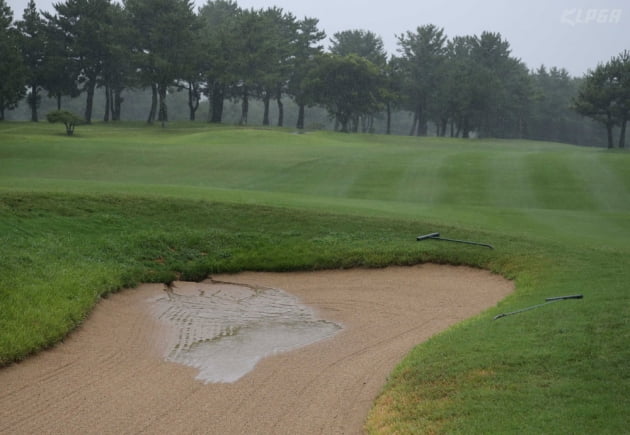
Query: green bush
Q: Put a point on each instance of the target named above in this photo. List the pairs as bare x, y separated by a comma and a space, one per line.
68, 118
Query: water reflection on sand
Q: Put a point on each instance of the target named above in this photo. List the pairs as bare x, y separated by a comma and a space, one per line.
224, 329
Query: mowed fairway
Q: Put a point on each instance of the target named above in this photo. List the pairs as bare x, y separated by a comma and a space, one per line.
121, 204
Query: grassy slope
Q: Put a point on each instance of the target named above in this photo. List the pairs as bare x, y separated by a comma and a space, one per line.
135, 203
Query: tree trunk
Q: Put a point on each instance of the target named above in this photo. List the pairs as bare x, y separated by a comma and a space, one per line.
443, 127
367, 123
343, 126
153, 108
163, 113
622, 134
217, 106
422, 123
112, 103
388, 128
216, 103
280, 109
355, 124
108, 97
300, 119
116, 102
89, 103
58, 100
414, 123
609, 131
465, 129
244, 107
266, 99
33, 104
193, 100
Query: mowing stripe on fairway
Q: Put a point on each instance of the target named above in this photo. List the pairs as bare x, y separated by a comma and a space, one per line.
557, 183
467, 178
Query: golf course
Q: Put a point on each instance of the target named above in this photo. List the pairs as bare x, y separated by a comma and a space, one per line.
118, 205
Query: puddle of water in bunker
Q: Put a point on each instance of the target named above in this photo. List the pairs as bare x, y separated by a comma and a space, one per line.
223, 329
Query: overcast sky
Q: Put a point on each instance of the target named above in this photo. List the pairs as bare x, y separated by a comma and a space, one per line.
573, 34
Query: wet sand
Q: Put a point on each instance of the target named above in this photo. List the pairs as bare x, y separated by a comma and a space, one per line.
128, 369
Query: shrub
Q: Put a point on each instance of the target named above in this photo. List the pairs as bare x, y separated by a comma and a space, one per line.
68, 118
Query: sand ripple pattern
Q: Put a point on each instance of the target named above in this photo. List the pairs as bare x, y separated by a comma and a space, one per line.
224, 329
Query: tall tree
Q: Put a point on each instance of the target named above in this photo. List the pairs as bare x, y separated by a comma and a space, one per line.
596, 99
117, 71
193, 76
348, 87
505, 85
280, 34
620, 71
306, 50
605, 96
481, 88
252, 57
33, 47
462, 88
422, 54
219, 34
60, 70
163, 29
551, 117
12, 71
193, 63
393, 84
364, 44
88, 26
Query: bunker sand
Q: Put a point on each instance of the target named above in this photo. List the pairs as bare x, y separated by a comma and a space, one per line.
113, 375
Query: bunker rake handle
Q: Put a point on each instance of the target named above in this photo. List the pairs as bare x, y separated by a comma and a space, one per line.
549, 301
561, 298
436, 236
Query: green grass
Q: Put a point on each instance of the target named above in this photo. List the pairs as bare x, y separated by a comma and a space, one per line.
119, 204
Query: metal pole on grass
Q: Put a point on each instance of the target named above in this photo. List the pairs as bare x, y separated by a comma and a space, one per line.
436, 236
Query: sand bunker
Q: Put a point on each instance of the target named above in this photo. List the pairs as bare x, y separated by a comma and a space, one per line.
139, 364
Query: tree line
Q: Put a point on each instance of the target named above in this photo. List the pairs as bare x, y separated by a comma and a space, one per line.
458, 87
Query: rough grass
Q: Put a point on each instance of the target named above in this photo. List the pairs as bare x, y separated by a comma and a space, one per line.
115, 205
